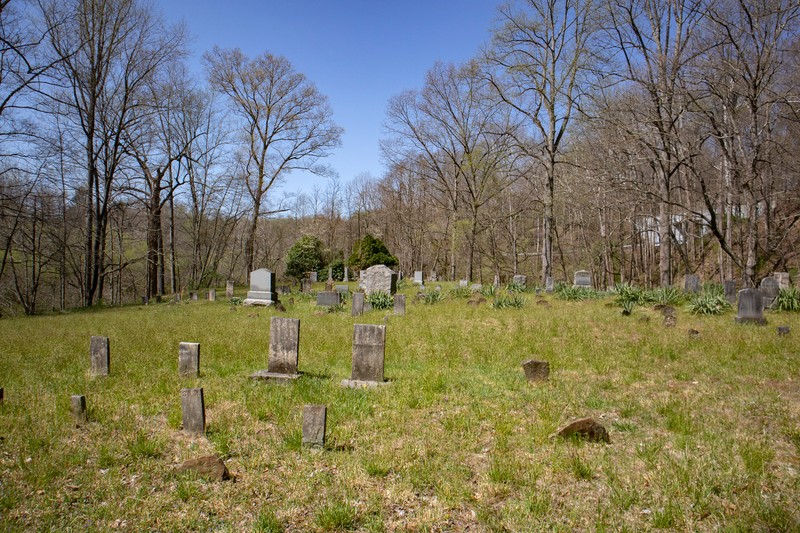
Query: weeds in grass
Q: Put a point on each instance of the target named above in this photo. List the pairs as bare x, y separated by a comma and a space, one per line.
460, 292
433, 297
788, 299
580, 468
708, 303
575, 294
380, 300
235, 300
145, 446
488, 291
511, 301
338, 515
268, 522
338, 308
512, 287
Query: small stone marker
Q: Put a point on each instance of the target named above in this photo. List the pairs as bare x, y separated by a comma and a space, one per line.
782, 331
229, 286
548, 284
262, 288
419, 277
751, 307
536, 370
400, 304
358, 304
342, 289
432, 276
476, 287
369, 344
730, 290
314, 421
691, 283
585, 429
670, 321
78, 407
212, 295
313, 276
582, 278
328, 298
769, 291
305, 285
520, 280
210, 467
99, 353
284, 349
462, 283
194, 411
189, 359
782, 278
193, 296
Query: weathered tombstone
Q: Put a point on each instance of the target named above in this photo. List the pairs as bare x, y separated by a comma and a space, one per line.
193, 296
419, 277
691, 283
229, 286
189, 359
342, 289
262, 288
587, 429
520, 280
346, 275
329, 285
330, 273
476, 287
305, 286
285, 289
496, 281
313, 277
284, 349
144, 300
400, 304
358, 304
212, 295
783, 279
78, 407
314, 421
369, 344
582, 278
730, 290
751, 308
536, 370
548, 284
463, 283
769, 291
100, 356
379, 278
432, 276
194, 411
328, 298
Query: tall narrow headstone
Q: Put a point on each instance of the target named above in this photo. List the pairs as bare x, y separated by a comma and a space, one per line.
189, 359
400, 304
548, 284
314, 422
78, 407
751, 308
100, 355
229, 286
730, 290
369, 344
194, 411
582, 278
769, 290
691, 283
262, 288
496, 281
330, 273
212, 295
346, 275
358, 304
284, 350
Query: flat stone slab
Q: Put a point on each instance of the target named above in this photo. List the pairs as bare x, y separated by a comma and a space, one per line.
274, 376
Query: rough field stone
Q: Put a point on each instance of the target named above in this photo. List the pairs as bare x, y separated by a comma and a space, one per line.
587, 429
210, 467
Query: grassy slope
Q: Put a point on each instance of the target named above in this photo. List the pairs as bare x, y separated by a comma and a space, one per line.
705, 431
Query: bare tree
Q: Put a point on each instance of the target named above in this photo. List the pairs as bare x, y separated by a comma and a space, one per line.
286, 123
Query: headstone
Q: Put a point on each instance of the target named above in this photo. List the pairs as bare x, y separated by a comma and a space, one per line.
496, 282
210, 467
432, 276
329, 285
212, 295
587, 429
400, 304
520, 280
285, 289
305, 286
751, 308
313, 277
229, 286
582, 278
100, 355
78, 408
189, 359
346, 275
476, 287
548, 284
193, 296
769, 291
144, 300
369, 343
730, 290
328, 298
463, 283
783, 279
314, 421
177, 297
284, 349
358, 304
194, 411
262, 288
342, 289
419, 277
536, 370
691, 283
379, 278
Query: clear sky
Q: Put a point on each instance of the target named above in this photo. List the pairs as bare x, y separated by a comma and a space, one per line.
359, 53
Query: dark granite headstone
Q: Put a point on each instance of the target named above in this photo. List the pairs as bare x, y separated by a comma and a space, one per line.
751, 307
730, 290
769, 291
358, 304
328, 298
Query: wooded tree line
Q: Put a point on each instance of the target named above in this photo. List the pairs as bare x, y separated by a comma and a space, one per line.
638, 139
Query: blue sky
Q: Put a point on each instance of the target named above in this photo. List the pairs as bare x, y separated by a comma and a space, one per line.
358, 53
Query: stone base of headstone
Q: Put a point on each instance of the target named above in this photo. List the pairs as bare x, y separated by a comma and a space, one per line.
194, 411
314, 424
261, 298
78, 408
361, 384
536, 370
266, 375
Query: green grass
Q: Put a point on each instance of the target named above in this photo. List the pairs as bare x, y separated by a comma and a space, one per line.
704, 430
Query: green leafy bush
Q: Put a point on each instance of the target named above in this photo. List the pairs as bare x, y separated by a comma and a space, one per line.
567, 292
666, 296
460, 292
515, 287
380, 300
304, 256
707, 303
430, 298
369, 251
488, 290
788, 299
511, 301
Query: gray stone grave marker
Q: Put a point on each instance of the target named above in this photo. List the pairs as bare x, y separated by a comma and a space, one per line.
229, 286
313, 277
358, 304
520, 280
194, 411
305, 285
400, 304
432, 276
548, 284
730, 290
78, 407
419, 277
314, 421
536, 370
193, 296
212, 295
328, 298
100, 355
476, 287
379, 278
751, 308
189, 359
177, 297
496, 281
346, 275
582, 278
691, 283
769, 291
342, 289
284, 350
783, 279
369, 344
463, 283
262, 288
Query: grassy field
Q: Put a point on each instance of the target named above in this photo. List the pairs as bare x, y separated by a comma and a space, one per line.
705, 429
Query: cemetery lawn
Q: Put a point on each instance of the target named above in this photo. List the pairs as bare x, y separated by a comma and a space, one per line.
705, 429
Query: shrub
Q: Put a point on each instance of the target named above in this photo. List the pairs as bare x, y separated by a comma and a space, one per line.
512, 301
430, 298
488, 290
304, 256
380, 300
788, 299
370, 251
460, 292
665, 296
706, 303
514, 287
